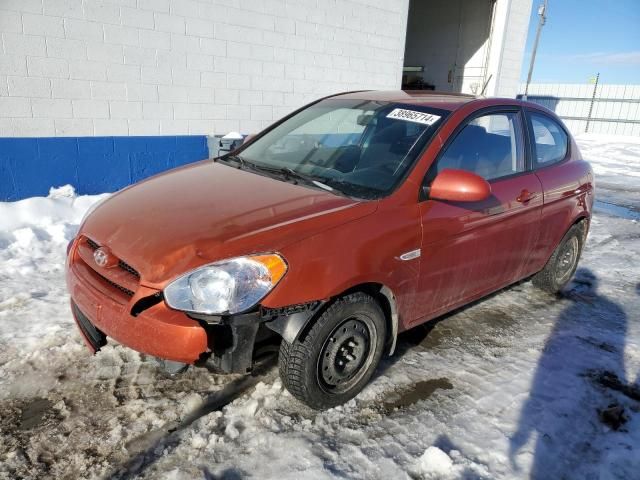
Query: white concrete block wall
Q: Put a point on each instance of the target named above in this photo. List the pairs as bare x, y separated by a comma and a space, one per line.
152, 67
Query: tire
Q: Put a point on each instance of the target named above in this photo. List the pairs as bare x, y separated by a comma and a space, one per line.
336, 358
563, 262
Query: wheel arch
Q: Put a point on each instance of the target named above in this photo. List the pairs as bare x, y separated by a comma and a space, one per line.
298, 325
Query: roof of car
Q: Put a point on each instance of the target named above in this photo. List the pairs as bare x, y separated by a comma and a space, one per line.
429, 98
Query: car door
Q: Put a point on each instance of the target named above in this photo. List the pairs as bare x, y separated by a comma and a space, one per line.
472, 248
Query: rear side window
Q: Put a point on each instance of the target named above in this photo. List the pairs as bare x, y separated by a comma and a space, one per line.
550, 140
490, 146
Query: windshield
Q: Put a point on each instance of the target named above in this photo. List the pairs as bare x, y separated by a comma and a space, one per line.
359, 148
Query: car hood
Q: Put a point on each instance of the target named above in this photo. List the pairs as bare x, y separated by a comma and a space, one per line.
191, 216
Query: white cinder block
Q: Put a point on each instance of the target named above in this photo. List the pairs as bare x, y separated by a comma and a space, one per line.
154, 39
154, 5
227, 96
144, 127
31, 6
199, 62
184, 43
19, 44
108, 91
199, 28
125, 110
13, 65
142, 92
100, 11
101, 52
124, 73
83, 30
51, 108
185, 8
62, 88
261, 112
214, 111
90, 109
250, 97
120, 35
139, 56
155, 75
206, 127
42, 25
169, 23
185, 78
187, 111
48, 67
63, 8
110, 127
4, 88
16, 106
133, 17
157, 110
73, 127
239, 81
201, 95
174, 127
10, 22
30, 127
213, 47
66, 48
239, 112
213, 79
173, 93
30, 87
168, 59
87, 70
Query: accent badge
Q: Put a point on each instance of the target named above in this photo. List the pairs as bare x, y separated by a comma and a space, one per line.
101, 257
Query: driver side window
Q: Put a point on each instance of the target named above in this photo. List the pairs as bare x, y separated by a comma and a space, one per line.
490, 146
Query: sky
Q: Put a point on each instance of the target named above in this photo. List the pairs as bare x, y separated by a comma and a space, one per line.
584, 37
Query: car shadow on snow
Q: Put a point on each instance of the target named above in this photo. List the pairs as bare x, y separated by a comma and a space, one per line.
581, 363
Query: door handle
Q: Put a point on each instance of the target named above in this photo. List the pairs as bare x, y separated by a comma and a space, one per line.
526, 196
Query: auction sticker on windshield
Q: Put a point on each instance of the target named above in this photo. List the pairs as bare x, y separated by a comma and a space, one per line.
414, 116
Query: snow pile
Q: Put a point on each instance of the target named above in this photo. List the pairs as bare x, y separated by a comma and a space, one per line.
514, 386
34, 234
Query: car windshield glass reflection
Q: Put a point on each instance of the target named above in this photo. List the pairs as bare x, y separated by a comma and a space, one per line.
357, 148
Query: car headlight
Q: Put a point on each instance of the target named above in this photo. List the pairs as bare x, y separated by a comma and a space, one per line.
226, 287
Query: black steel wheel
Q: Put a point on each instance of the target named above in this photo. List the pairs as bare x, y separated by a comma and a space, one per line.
563, 262
332, 362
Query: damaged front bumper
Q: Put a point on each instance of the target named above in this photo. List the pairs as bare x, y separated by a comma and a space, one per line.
111, 303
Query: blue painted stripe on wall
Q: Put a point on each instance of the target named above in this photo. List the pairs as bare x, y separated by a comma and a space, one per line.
31, 166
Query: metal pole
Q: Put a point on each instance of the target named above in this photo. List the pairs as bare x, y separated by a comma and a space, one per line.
542, 12
593, 99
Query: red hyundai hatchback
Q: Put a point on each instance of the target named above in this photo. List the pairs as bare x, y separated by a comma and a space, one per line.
352, 219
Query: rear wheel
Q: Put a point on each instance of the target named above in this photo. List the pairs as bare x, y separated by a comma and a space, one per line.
335, 359
563, 263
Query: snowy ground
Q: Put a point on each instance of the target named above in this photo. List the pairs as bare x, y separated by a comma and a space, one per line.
516, 386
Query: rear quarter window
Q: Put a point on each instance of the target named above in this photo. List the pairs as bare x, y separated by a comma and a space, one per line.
550, 141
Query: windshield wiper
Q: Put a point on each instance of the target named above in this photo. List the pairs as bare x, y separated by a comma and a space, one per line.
242, 163
291, 173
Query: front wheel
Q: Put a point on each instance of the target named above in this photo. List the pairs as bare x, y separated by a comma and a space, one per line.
563, 262
335, 359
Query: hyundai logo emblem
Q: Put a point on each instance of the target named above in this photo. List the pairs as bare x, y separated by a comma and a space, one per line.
101, 257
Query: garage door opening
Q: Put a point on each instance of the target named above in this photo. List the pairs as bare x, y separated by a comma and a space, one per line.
448, 45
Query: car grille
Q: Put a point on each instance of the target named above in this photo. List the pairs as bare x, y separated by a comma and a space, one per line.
122, 264
124, 278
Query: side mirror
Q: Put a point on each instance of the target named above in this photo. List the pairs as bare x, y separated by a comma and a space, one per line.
459, 186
